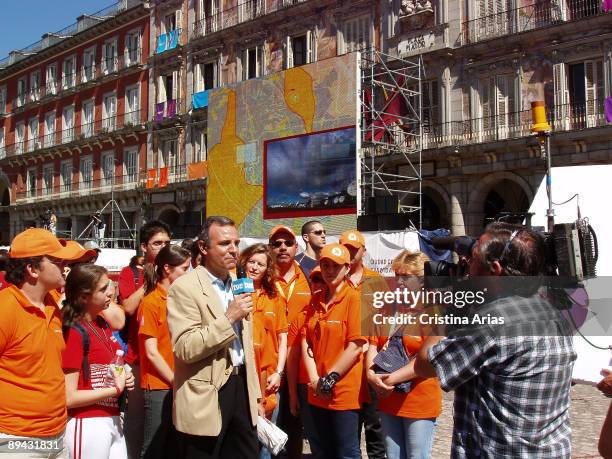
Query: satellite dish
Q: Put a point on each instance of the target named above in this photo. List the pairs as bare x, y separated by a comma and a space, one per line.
352, 188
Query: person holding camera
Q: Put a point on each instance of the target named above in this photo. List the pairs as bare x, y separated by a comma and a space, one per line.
408, 410
332, 351
512, 381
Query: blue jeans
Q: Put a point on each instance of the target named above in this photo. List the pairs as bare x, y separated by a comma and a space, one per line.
308, 422
407, 438
264, 453
338, 432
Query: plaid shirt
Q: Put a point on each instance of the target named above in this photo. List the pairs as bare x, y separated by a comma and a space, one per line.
512, 392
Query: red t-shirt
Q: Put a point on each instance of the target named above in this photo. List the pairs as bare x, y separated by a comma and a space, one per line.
102, 348
3, 283
126, 288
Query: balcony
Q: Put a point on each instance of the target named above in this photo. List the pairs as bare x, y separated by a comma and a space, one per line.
168, 41
243, 12
81, 134
168, 110
564, 118
530, 17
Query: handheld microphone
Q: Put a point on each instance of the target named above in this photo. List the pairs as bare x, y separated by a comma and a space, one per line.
242, 284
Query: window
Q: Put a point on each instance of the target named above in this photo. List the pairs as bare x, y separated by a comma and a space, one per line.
170, 22
131, 165
35, 86
87, 128
131, 106
68, 124
109, 112
169, 157
108, 168
69, 76
495, 108
66, 176
19, 137
2, 150
253, 62
109, 56
86, 170
21, 92
300, 49
206, 76
51, 79
48, 179
430, 104
200, 141
209, 16
49, 139
33, 141
494, 18
31, 182
89, 65
2, 99
132, 47
356, 34
166, 96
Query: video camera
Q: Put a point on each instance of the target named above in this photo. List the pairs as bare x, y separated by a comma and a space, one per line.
571, 252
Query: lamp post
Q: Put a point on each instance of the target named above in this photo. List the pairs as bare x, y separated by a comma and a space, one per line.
543, 130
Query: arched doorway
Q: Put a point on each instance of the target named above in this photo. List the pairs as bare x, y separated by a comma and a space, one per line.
506, 201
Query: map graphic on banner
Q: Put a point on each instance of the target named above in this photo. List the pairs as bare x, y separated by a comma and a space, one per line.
241, 117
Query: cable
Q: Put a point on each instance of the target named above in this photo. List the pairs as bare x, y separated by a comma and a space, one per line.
585, 338
565, 202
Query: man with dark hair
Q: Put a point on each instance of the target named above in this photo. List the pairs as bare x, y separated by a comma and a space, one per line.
216, 385
313, 234
154, 235
31, 344
194, 249
512, 380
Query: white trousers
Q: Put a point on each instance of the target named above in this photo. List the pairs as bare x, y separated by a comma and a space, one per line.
15, 447
95, 438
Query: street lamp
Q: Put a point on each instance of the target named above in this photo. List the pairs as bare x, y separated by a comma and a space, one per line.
543, 130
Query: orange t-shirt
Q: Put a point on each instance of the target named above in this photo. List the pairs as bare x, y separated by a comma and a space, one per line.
328, 332
152, 323
424, 400
295, 293
31, 375
294, 340
269, 320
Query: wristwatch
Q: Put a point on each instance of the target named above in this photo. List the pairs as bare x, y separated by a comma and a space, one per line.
327, 383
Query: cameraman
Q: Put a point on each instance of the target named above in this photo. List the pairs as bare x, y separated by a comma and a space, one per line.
512, 392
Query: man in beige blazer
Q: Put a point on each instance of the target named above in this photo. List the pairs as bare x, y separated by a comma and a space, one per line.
216, 388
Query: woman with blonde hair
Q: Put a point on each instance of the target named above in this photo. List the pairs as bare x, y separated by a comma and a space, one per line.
408, 411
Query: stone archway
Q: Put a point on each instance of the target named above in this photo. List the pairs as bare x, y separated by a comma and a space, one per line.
435, 206
502, 194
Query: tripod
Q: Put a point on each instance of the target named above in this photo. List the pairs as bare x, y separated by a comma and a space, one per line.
93, 225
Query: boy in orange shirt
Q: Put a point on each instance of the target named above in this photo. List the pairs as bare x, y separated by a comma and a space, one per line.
332, 345
31, 344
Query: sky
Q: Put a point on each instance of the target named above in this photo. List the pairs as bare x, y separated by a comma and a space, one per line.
24, 21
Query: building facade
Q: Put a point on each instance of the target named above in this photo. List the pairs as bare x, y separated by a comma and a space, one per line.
72, 117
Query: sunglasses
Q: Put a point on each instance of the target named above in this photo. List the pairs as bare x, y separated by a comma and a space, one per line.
318, 232
276, 244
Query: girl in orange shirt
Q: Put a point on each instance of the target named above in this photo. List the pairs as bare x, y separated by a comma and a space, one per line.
269, 327
156, 359
332, 345
408, 419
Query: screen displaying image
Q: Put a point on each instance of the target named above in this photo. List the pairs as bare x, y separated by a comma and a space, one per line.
311, 174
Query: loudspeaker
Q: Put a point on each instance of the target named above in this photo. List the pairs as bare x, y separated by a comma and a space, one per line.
367, 222
393, 222
382, 205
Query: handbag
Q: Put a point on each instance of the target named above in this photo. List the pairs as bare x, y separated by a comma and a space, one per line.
391, 359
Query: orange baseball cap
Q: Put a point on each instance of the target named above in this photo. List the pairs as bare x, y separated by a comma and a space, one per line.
353, 238
336, 253
37, 242
280, 229
86, 255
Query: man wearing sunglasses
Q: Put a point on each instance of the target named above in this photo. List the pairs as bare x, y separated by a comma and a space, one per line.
31, 344
292, 286
313, 234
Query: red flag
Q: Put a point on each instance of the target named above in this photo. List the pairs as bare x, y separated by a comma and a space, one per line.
151, 175
163, 177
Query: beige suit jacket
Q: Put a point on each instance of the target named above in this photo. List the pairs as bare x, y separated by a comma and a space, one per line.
201, 338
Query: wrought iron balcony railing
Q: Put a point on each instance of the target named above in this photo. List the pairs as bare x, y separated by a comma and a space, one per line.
530, 17
243, 12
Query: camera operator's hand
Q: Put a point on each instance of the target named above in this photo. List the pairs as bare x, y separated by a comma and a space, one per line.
605, 385
239, 308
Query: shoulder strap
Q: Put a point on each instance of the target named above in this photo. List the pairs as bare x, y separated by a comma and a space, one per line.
85, 340
136, 274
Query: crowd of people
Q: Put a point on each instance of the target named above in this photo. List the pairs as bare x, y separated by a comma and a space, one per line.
174, 363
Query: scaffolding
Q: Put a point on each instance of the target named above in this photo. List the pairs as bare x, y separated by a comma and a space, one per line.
391, 131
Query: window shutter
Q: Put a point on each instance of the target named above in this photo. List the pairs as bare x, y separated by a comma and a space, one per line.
289, 52
599, 83
261, 60
175, 84
311, 46
560, 92
244, 64
104, 57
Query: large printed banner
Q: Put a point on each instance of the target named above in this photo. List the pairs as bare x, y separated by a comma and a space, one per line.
311, 161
